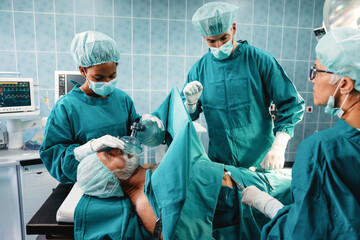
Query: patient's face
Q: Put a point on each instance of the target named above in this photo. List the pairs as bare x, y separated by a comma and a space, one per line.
113, 159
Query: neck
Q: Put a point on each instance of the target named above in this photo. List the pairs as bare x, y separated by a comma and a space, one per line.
352, 110
135, 184
234, 46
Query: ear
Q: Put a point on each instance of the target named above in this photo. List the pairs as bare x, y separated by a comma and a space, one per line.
82, 71
347, 85
234, 28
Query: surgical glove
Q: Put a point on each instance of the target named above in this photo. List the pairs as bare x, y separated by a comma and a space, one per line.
148, 117
98, 144
97, 180
192, 92
106, 141
153, 133
275, 158
262, 201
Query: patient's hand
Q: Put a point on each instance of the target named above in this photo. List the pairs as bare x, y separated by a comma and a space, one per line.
113, 159
226, 181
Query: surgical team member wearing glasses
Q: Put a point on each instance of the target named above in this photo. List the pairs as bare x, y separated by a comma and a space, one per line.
91, 117
235, 84
325, 176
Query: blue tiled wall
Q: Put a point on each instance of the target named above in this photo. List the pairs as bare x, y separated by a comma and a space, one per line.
158, 44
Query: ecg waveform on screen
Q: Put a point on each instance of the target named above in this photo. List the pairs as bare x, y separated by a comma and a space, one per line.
14, 94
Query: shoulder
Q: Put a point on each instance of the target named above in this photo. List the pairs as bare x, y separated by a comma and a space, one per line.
260, 56
65, 102
199, 63
320, 138
121, 95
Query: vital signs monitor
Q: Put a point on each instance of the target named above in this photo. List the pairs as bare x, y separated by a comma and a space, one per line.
16, 95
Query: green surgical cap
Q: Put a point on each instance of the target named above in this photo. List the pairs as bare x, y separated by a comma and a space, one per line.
339, 52
214, 18
92, 48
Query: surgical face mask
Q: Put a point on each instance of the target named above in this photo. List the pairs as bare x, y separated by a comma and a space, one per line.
103, 88
131, 165
330, 106
223, 51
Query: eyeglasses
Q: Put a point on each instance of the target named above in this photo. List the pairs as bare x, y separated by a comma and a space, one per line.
313, 71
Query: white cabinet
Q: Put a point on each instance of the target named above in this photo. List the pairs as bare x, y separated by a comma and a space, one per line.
36, 186
10, 224
25, 184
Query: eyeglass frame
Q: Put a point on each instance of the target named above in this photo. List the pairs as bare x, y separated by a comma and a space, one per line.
313, 71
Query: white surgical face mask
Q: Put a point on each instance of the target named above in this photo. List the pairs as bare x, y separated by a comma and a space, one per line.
103, 88
223, 51
330, 106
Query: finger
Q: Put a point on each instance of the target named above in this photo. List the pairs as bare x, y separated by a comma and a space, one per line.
120, 144
187, 92
193, 89
160, 124
262, 164
199, 86
109, 144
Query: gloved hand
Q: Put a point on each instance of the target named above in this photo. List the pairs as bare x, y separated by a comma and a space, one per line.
95, 179
154, 132
98, 144
152, 118
275, 158
262, 201
106, 141
192, 92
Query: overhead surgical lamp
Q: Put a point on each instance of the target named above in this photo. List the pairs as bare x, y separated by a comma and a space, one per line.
339, 13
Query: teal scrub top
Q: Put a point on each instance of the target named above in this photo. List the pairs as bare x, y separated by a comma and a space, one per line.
325, 188
237, 94
76, 119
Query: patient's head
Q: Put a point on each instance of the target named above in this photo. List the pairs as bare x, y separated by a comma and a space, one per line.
121, 164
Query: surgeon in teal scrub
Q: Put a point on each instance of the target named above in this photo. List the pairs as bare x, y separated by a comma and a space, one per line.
92, 116
325, 176
235, 84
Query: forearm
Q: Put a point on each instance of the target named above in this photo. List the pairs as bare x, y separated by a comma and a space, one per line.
60, 162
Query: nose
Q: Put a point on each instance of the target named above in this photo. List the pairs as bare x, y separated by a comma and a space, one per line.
218, 44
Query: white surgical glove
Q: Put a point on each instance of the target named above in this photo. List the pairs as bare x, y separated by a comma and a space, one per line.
192, 92
98, 144
275, 158
262, 201
152, 118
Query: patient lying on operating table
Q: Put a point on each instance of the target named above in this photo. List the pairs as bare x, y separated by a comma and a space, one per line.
228, 212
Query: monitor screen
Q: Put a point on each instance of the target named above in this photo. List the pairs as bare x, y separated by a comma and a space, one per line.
16, 94
75, 77
64, 84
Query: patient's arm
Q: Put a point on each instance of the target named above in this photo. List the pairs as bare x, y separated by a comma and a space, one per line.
132, 187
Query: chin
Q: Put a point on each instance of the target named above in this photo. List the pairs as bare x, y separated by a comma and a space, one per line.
318, 103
